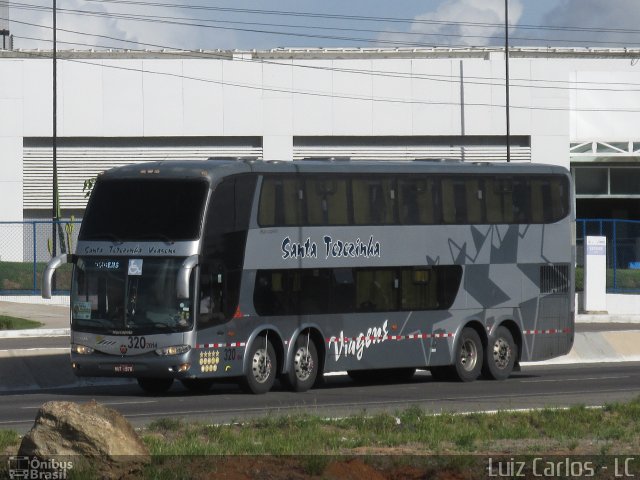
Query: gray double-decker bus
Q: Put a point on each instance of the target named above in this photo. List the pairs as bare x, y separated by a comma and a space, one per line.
256, 270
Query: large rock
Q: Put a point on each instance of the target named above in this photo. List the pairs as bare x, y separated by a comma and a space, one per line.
90, 432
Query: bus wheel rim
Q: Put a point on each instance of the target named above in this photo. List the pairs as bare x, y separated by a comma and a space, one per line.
303, 364
501, 353
468, 355
261, 366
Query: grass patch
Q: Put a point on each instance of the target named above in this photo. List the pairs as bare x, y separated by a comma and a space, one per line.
19, 276
305, 446
12, 323
8, 438
411, 429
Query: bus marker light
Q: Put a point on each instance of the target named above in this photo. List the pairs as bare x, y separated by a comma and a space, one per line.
231, 333
183, 367
394, 327
238, 313
81, 349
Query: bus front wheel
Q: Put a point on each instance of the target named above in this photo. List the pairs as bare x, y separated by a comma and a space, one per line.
262, 367
500, 356
155, 386
468, 356
303, 370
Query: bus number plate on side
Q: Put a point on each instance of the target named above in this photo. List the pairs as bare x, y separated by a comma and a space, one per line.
126, 368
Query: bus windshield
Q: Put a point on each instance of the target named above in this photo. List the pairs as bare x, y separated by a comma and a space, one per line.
135, 210
128, 296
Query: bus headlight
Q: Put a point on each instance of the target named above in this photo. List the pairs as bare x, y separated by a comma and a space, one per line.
173, 350
81, 349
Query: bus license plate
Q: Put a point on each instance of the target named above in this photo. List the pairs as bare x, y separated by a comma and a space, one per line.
123, 368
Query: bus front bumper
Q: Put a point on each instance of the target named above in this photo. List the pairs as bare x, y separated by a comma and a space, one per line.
146, 365
197, 363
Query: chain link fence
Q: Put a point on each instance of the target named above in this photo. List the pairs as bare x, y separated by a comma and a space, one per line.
623, 252
25, 249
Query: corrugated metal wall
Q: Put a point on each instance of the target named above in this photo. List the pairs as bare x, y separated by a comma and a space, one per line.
78, 162
468, 149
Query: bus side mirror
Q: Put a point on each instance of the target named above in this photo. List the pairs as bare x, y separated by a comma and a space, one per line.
50, 269
184, 274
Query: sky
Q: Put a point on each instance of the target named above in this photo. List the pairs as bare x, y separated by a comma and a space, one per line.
264, 24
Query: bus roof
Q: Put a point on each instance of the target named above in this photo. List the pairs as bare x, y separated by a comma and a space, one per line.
215, 168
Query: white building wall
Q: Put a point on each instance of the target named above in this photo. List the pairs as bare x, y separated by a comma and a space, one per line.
11, 132
278, 100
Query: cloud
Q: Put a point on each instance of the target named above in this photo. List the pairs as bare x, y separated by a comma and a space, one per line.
461, 23
107, 28
610, 15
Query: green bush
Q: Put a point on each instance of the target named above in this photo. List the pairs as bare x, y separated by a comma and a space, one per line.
626, 279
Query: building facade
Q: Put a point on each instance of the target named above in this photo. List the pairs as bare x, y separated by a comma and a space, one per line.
579, 108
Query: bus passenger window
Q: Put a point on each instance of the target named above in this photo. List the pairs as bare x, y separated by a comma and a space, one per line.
559, 198
375, 290
279, 202
419, 289
264, 297
539, 200
475, 200
499, 200
343, 291
521, 199
326, 201
314, 294
416, 201
373, 201
454, 201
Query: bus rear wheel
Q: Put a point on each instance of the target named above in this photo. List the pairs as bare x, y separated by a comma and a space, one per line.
262, 367
468, 356
303, 370
155, 386
500, 356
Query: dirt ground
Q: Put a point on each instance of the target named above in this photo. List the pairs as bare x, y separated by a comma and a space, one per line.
316, 468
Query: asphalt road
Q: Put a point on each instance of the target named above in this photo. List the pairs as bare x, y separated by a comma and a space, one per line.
533, 387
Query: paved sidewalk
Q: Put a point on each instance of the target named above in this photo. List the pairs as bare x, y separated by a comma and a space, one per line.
54, 318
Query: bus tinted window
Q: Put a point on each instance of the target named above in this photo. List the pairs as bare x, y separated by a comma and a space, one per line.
499, 200
145, 209
414, 200
224, 243
462, 200
376, 290
417, 200
373, 201
326, 201
279, 202
348, 290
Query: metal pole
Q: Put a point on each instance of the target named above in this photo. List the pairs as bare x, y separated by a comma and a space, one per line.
506, 84
35, 260
55, 219
55, 134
